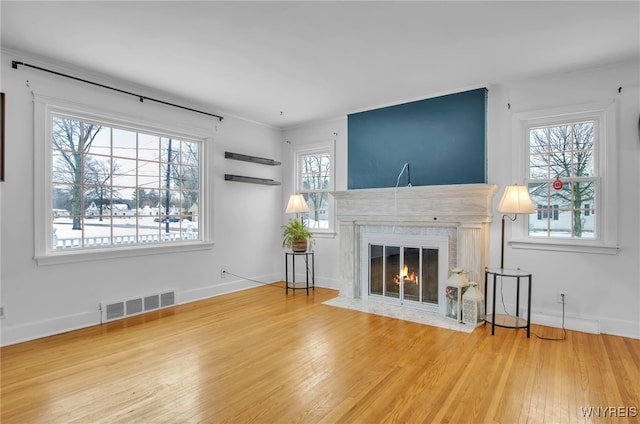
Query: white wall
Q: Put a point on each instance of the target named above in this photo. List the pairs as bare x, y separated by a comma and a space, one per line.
326, 246
43, 300
603, 291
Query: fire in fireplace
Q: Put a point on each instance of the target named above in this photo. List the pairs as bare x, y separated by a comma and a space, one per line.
405, 276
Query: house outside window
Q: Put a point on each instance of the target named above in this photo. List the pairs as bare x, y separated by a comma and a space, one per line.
314, 179
568, 158
543, 212
111, 185
563, 179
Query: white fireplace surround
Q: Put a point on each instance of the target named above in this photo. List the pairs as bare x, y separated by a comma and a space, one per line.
465, 208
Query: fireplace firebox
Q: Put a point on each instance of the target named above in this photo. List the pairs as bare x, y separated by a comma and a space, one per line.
407, 273
406, 269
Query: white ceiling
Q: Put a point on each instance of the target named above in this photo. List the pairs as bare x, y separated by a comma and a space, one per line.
286, 63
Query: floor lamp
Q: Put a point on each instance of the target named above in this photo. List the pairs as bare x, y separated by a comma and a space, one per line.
297, 205
515, 200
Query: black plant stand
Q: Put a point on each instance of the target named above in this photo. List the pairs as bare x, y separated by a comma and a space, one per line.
292, 284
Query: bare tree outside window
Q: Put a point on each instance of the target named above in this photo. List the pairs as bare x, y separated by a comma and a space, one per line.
315, 186
564, 155
71, 139
98, 174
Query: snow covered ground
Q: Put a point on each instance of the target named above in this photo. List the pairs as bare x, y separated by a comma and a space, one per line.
123, 226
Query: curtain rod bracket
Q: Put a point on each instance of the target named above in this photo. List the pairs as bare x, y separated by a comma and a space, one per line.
15, 64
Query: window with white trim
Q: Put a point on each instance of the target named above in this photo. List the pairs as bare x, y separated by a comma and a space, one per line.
564, 179
569, 167
110, 185
314, 175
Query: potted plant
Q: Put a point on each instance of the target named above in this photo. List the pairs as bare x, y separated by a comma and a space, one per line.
296, 236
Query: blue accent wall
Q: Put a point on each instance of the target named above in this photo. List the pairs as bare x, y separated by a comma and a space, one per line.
442, 138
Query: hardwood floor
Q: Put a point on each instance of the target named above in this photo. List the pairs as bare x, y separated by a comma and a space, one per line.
259, 356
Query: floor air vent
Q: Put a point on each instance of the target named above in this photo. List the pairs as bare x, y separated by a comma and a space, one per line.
111, 311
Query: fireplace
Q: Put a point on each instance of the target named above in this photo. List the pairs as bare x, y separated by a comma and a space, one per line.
404, 266
381, 230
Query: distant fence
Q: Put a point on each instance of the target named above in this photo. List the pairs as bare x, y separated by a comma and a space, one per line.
68, 243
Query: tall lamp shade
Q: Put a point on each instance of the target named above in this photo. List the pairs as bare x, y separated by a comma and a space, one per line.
515, 200
297, 204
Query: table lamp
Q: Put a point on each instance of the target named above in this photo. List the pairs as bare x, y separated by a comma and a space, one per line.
297, 205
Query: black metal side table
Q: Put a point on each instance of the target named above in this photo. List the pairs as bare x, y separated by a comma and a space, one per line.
292, 284
502, 320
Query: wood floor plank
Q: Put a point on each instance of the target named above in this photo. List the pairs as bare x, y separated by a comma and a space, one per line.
259, 356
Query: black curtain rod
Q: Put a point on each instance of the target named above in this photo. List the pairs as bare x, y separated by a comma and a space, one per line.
14, 65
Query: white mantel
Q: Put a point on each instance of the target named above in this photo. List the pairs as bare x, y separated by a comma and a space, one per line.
466, 207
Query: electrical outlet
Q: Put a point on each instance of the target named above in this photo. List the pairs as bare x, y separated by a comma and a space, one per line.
223, 272
562, 296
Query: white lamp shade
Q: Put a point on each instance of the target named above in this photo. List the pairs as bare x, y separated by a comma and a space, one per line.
297, 204
516, 200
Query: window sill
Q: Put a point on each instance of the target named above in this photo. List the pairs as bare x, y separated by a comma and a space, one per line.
566, 246
69, 256
323, 234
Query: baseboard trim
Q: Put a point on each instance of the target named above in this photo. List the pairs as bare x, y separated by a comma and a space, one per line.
233, 284
328, 283
620, 328
570, 322
46, 328
593, 325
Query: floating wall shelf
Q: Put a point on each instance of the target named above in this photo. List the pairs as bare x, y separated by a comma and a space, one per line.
254, 159
252, 180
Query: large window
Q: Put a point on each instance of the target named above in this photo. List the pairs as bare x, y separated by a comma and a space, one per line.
569, 167
563, 179
314, 180
110, 185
